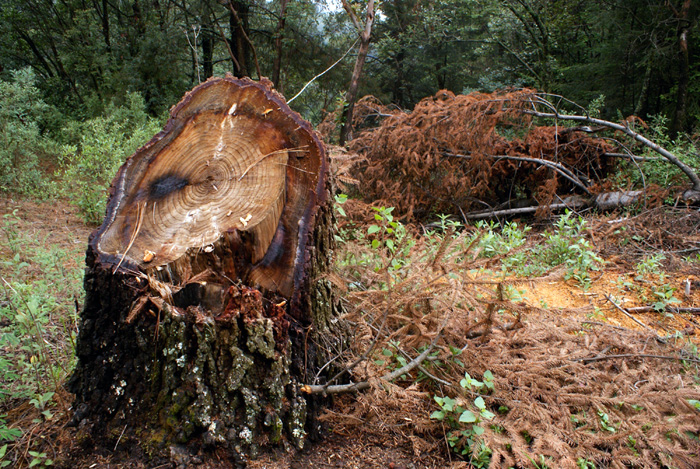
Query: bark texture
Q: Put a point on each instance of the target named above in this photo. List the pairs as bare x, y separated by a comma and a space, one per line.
206, 305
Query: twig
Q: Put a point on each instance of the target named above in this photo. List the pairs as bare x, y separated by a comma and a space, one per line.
634, 355
555, 114
352, 387
558, 167
623, 311
572, 203
323, 72
670, 309
120, 438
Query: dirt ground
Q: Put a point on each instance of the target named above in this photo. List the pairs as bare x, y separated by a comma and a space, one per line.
379, 438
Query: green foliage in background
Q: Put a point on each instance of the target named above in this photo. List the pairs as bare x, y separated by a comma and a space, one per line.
23, 112
100, 146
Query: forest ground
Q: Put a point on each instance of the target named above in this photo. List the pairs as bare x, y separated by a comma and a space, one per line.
373, 430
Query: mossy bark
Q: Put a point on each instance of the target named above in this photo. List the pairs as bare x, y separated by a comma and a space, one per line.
190, 345
173, 383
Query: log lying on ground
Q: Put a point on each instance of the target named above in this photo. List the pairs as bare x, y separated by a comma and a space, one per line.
206, 305
603, 201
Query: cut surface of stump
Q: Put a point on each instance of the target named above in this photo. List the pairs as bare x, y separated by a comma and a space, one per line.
206, 302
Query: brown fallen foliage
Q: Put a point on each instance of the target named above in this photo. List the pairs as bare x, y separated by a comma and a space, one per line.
456, 153
567, 391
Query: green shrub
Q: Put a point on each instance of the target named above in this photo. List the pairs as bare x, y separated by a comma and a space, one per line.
22, 111
98, 148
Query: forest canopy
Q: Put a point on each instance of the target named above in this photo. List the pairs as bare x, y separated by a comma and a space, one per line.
641, 55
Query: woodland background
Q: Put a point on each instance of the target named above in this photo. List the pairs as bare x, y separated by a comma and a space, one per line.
84, 83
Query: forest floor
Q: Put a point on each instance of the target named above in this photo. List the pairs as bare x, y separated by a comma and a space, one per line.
581, 377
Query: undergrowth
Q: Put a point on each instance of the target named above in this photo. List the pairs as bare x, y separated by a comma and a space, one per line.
41, 286
97, 148
504, 374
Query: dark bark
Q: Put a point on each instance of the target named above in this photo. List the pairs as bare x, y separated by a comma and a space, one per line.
207, 51
684, 24
279, 33
196, 341
365, 34
239, 27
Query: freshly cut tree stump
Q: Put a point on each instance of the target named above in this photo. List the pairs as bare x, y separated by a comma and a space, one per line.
206, 302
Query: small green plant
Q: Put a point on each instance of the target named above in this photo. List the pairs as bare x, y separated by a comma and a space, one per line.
582, 463
567, 245
605, 422
8, 434
542, 463
499, 241
466, 421
39, 459
650, 264
664, 295
40, 402
392, 235
3, 452
340, 199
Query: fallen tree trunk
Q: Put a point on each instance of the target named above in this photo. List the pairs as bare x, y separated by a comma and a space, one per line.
603, 201
206, 305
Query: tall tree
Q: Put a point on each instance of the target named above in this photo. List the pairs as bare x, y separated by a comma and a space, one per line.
364, 32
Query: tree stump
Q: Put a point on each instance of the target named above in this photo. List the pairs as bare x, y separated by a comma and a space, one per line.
206, 304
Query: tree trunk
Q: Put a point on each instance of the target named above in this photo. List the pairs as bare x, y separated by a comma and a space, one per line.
207, 51
239, 29
206, 304
277, 60
351, 96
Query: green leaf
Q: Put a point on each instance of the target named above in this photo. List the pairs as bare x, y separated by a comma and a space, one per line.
477, 430
437, 415
488, 415
488, 376
479, 403
467, 417
375, 244
372, 229
448, 404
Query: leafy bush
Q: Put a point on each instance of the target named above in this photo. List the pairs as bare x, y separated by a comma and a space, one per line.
99, 147
21, 142
658, 170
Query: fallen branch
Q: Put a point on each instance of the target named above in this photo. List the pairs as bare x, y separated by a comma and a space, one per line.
352, 387
623, 311
670, 309
555, 114
604, 201
634, 355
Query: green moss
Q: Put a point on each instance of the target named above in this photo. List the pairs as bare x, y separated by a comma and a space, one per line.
240, 364
260, 337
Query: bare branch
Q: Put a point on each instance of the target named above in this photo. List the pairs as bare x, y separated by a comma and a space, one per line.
555, 114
